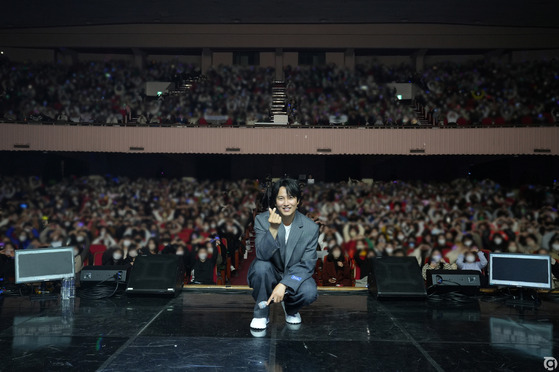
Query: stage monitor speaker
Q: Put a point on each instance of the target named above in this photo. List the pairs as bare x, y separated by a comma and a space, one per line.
106, 274
464, 281
397, 277
156, 274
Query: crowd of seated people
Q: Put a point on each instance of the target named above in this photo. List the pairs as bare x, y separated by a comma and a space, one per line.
442, 225
111, 221
491, 93
114, 92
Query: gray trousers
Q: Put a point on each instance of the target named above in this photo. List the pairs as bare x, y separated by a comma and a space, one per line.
263, 276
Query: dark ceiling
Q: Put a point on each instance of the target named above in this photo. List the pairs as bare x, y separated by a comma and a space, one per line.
521, 13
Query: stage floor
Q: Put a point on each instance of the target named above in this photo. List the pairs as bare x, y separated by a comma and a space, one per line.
209, 330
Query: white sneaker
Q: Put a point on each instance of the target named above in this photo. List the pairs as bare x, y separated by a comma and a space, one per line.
291, 319
259, 323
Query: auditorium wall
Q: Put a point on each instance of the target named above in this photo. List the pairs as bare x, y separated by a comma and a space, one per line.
222, 58
336, 58
100, 57
298, 140
267, 59
28, 54
290, 59
195, 60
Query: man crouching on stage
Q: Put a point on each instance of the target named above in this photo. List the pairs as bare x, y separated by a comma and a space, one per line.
286, 242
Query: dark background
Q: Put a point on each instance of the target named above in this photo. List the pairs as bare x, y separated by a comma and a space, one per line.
509, 170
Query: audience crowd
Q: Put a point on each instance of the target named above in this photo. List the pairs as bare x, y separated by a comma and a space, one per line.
491, 93
443, 225
114, 92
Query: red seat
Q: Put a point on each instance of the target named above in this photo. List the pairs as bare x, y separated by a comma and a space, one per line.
94, 248
98, 259
526, 120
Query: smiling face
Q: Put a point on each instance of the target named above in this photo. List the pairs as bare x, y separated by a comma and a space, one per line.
286, 204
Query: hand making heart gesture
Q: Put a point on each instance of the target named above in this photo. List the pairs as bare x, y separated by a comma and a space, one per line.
274, 219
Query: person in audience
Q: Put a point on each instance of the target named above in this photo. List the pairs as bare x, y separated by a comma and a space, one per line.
131, 255
78, 261
399, 253
474, 259
424, 251
113, 257
7, 264
151, 247
512, 247
203, 267
364, 262
554, 244
336, 270
388, 249
435, 262
529, 242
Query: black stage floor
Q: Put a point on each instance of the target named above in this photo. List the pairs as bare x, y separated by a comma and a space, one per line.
208, 331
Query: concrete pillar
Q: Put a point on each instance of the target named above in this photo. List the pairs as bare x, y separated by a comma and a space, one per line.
349, 58
140, 58
418, 60
206, 60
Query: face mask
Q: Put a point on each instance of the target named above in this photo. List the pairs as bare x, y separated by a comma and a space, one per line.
210, 250
389, 250
470, 258
381, 240
436, 258
336, 255
202, 256
56, 243
442, 242
117, 256
468, 243
360, 248
181, 253
206, 228
555, 246
374, 234
498, 241
22, 238
412, 245
353, 233
513, 248
400, 237
76, 252
152, 247
331, 244
133, 253
126, 243
79, 238
213, 225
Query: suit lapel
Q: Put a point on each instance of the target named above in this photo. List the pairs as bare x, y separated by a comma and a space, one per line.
294, 235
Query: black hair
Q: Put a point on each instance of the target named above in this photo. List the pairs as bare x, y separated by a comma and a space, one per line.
291, 186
